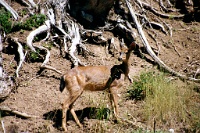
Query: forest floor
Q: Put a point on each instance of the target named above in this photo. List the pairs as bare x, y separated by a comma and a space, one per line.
39, 95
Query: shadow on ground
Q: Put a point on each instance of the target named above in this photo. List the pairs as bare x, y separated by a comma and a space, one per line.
89, 113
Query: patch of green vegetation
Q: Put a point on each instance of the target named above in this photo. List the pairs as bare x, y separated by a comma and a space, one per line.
139, 87
195, 127
171, 17
5, 22
23, 12
8, 26
35, 56
165, 101
34, 21
102, 113
48, 45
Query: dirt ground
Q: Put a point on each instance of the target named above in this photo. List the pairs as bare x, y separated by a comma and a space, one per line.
39, 95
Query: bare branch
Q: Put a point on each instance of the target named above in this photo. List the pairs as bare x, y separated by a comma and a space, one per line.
7, 109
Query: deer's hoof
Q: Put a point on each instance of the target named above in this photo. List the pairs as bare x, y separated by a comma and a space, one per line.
64, 129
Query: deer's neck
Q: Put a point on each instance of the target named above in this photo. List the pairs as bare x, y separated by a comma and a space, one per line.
117, 70
125, 64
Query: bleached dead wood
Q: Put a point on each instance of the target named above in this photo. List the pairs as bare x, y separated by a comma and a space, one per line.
160, 26
150, 51
10, 9
9, 110
44, 64
150, 8
1, 60
32, 3
74, 33
39, 30
22, 58
168, 26
43, 28
2, 124
197, 73
25, 3
163, 7
169, 3
6, 83
73, 30
35, 32
21, 55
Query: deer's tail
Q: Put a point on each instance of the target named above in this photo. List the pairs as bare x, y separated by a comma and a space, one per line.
62, 84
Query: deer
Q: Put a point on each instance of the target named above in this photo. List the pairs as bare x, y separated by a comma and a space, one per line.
95, 78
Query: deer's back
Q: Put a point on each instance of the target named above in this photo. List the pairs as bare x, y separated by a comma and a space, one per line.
93, 78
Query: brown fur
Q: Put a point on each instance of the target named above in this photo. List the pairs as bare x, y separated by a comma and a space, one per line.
93, 78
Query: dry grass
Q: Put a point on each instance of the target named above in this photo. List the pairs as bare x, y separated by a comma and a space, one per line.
168, 103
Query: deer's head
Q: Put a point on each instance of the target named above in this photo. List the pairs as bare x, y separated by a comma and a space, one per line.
126, 50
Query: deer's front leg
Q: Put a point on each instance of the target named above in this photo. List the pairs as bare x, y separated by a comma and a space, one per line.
114, 100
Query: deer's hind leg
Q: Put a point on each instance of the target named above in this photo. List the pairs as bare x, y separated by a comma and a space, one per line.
74, 93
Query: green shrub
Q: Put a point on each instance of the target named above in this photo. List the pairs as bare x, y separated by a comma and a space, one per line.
36, 56
102, 113
34, 21
141, 85
5, 22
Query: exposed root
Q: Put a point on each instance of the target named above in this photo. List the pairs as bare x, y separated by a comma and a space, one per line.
163, 7
9, 110
35, 32
160, 26
74, 33
21, 55
44, 64
150, 8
